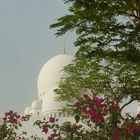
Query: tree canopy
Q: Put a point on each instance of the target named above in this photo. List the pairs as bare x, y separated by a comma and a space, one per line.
113, 25
108, 59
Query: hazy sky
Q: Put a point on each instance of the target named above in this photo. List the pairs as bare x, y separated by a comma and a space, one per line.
26, 43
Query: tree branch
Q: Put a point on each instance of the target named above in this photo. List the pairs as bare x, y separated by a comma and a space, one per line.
112, 91
130, 101
120, 97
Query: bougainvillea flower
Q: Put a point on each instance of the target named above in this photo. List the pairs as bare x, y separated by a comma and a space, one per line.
52, 119
45, 129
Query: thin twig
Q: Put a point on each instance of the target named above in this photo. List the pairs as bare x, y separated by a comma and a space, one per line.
130, 101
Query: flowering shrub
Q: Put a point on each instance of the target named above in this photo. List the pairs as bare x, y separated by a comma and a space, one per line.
51, 124
105, 120
10, 123
95, 109
54, 131
96, 119
101, 119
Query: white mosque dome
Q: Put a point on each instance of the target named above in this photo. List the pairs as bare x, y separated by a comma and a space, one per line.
27, 111
36, 104
49, 103
46, 104
51, 72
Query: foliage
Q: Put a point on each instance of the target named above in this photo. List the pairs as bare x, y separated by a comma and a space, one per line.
11, 121
107, 62
113, 25
10, 124
107, 65
96, 118
113, 79
100, 118
105, 120
66, 131
106, 72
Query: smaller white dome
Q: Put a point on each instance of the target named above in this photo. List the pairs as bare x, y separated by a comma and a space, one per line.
27, 111
36, 104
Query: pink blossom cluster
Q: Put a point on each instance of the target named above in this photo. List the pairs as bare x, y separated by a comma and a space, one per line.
54, 131
128, 129
33, 137
48, 125
14, 117
95, 108
11, 121
131, 127
53, 136
45, 125
63, 130
77, 127
116, 134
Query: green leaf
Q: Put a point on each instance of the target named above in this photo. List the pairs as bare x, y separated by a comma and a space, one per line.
77, 118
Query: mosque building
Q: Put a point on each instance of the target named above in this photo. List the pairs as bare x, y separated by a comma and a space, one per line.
46, 105
48, 80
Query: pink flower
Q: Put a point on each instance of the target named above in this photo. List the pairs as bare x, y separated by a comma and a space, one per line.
134, 129
77, 127
54, 136
91, 110
9, 113
52, 119
15, 121
45, 129
113, 106
117, 134
18, 116
98, 117
98, 100
84, 109
138, 116
4, 119
105, 109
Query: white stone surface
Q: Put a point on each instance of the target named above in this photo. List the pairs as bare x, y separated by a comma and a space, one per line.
46, 104
27, 111
36, 104
51, 73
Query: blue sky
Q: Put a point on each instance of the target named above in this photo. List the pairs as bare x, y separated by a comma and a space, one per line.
26, 43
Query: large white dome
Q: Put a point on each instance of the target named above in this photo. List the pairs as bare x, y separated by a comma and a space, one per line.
51, 72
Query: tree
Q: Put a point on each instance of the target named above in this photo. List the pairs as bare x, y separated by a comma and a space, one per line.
9, 125
106, 70
113, 25
107, 62
102, 120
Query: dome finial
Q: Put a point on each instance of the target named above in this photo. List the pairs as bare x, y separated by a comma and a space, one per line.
64, 49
